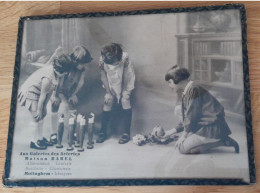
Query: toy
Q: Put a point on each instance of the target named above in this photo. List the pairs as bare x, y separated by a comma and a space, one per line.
157, 136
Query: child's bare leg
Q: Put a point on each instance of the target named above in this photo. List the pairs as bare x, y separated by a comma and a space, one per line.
37, 136
34, 126
54, 127
60, 131
43, 138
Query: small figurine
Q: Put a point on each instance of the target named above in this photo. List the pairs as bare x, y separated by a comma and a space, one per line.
60, 131
158, 136
81, 132
91, 122
77, 130
72, 121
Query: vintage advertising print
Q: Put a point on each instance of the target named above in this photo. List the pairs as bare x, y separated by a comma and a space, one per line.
157, 97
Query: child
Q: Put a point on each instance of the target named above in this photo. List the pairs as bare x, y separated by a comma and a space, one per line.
118, 77
35, 94
203, 118
70, 86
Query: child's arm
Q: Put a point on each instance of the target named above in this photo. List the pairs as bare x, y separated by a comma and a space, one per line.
56, 54
43, 99
104, 80
129, 78
55, 97
74, 99
171, 133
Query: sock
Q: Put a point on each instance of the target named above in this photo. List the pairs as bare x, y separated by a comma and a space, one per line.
34, 128
40, 129
104, 122
127, 119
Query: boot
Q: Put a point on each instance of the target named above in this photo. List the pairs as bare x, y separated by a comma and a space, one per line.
38, 145
229, 142
127, 119
46, 142
104, 122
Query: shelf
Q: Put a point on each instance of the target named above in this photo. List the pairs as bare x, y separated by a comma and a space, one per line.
219, 84
236, 58
212, 36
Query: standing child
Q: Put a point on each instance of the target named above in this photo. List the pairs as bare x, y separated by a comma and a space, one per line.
203, 117
69, 87
36, 92
118, 77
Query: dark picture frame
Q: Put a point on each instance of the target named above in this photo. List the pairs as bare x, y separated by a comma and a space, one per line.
135, 181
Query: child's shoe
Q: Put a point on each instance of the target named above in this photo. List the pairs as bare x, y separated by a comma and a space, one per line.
101, 138
59, 146
124, 139
231, 143
90, 145
77, 145
46, 142
70, 148
38, 145
81, 149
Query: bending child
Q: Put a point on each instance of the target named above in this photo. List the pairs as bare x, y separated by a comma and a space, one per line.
203, 117
68, 89
36, 92
118, 77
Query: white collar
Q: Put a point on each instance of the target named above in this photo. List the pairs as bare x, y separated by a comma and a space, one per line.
187, 87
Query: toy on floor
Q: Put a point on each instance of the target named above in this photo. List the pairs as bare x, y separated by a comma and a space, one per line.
91, 122
77, 144
60, 131
157, 136
72, 121
81, 128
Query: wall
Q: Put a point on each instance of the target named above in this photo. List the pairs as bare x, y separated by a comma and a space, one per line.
151, 44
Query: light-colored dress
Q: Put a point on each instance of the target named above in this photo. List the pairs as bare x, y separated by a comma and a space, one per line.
30, 91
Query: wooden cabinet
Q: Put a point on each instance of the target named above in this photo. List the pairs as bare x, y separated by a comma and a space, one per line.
214, 59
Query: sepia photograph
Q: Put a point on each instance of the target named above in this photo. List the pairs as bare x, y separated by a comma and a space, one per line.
154, 95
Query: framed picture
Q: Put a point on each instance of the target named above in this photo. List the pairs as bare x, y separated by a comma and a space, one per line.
153, 97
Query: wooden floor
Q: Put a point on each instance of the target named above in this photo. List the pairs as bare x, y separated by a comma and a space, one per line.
9, 17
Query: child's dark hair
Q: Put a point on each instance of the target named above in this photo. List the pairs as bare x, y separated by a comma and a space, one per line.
177, 74
81, 55
113, 48
62, 63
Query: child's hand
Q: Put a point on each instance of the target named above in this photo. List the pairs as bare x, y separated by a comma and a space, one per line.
108, 98
56, 100
181, 140
73, 100
39, 115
